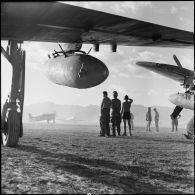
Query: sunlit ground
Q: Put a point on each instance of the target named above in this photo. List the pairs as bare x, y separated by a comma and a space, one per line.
73, 159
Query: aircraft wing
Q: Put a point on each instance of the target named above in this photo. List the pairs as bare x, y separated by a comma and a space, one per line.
59, 22
176, 73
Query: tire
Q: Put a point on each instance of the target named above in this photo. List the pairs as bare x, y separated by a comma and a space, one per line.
11, 137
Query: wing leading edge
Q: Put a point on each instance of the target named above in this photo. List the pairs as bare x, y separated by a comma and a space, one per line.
57, 22
176, 73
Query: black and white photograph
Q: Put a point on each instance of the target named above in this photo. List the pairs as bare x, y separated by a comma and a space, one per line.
97, 97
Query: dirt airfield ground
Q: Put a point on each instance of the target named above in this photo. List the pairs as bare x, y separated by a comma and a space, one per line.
66, 159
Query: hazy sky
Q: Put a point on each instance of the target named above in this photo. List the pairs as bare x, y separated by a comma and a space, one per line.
146, 88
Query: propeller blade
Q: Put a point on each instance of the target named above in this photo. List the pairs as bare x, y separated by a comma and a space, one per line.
177, 61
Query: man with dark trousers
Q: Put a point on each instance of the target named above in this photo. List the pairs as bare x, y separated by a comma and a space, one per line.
105, 115
116, 115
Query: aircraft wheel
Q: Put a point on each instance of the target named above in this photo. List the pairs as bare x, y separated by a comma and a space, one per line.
11, 136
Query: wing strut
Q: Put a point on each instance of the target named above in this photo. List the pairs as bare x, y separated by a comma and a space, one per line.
6, 55
177, 61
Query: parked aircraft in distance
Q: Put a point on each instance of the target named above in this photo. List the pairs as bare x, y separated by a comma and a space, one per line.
185, 77
70, 119
73, 25
43, 117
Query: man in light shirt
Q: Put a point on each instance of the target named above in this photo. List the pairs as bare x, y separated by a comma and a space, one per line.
156, 119
131, 121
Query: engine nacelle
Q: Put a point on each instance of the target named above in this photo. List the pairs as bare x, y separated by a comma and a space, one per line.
182, 99
76, 70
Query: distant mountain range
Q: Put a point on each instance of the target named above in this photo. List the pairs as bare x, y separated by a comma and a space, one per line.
90, 114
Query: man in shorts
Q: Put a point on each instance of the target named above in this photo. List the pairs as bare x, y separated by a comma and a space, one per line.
126, 114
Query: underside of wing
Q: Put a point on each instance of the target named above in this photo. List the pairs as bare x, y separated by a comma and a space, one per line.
59, 22
176, 73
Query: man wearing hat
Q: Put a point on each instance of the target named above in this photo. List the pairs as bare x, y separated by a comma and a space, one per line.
115, 115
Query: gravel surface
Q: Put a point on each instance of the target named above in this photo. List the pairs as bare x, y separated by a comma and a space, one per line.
54, 158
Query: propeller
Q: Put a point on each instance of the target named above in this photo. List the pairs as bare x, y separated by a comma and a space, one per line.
177, 61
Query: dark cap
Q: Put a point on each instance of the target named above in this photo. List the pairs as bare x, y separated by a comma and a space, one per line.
105, 92
126, 97
115, 93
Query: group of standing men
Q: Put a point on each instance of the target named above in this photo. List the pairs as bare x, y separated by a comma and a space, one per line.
174, 117
149, 119
116, 114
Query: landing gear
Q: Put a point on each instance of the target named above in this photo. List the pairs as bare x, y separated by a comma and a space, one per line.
11, 116
10, 136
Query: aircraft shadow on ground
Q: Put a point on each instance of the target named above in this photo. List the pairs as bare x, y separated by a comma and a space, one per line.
80, 166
